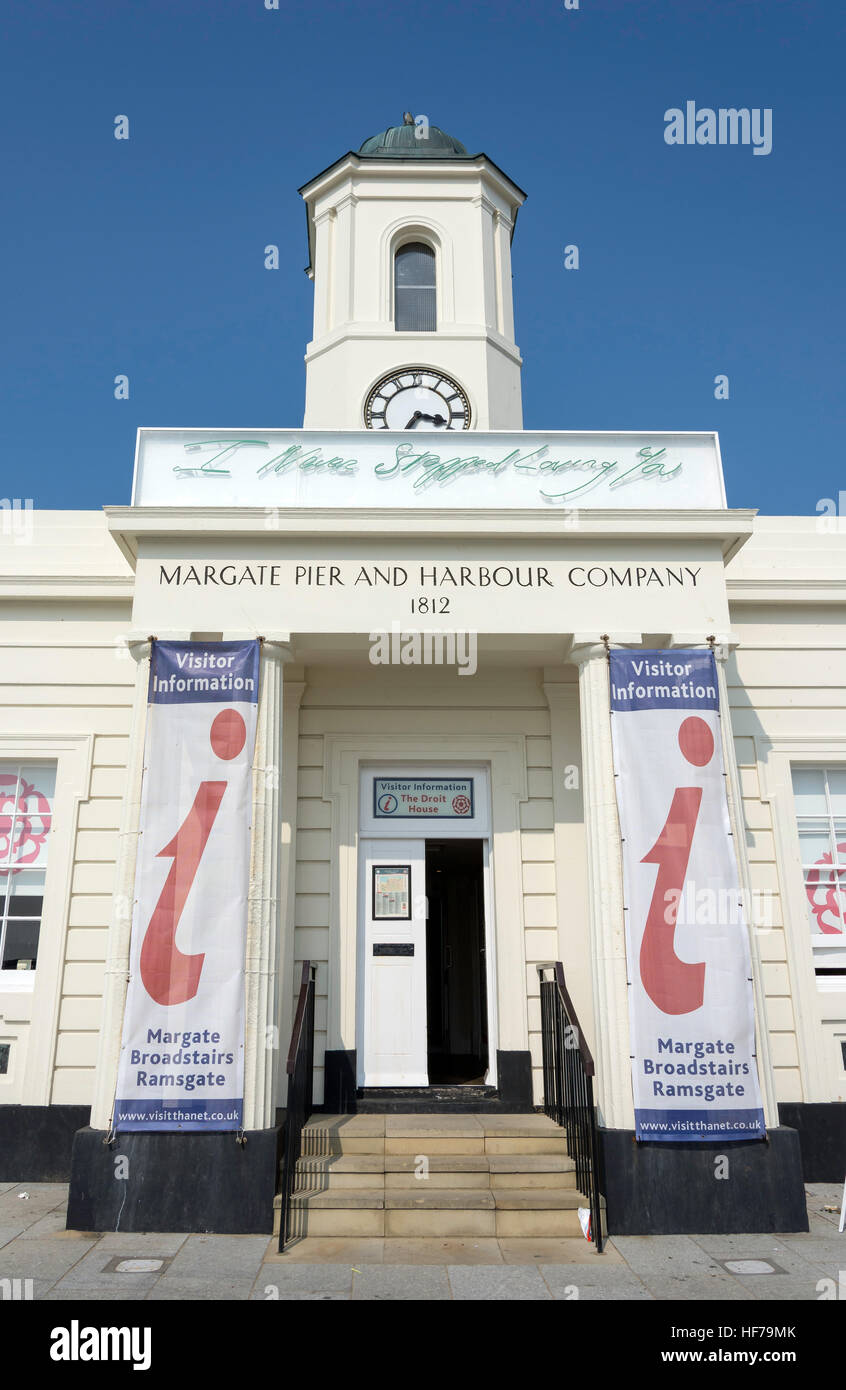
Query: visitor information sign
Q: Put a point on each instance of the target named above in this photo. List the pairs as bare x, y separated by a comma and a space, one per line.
422, 798
694, 1069
182, 1057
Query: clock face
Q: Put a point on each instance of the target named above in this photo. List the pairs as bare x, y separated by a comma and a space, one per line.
417, 398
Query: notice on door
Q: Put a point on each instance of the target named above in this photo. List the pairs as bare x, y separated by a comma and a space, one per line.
392, 892
416, 798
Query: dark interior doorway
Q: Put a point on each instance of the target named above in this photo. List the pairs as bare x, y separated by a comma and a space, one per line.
455, 963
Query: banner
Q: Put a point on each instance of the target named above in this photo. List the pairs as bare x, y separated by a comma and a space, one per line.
182, 1056
694, 1068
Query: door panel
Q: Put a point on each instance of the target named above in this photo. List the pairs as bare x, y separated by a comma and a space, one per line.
394, 915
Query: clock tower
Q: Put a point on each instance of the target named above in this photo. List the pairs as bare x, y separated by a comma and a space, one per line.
410, 254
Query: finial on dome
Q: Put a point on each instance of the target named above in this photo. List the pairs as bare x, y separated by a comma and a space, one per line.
407, 118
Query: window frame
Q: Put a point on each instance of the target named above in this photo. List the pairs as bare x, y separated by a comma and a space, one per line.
821, 942
35, 995
415, 239
9, 870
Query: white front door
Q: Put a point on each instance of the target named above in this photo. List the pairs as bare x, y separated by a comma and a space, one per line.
394, 975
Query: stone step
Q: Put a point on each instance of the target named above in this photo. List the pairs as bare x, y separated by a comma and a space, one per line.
437, 1212
345, 1171
486, 1175
432, 1135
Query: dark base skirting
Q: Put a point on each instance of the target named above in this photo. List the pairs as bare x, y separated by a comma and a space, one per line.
36, 1141
514, 1070
674, 1189
174, 1182
822, 1138
341, 1096
339, 1086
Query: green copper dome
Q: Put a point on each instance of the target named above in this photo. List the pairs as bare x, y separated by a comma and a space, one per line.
408, 141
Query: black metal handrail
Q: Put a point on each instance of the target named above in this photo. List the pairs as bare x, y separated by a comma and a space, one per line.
300, 1069
568, 1073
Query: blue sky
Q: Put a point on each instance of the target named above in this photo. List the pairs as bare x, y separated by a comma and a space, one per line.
145, 256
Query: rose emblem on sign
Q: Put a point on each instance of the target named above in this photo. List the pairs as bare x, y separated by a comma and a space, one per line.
24, 822
461, 805
826, 888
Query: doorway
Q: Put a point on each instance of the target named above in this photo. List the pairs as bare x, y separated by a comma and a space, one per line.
456, 966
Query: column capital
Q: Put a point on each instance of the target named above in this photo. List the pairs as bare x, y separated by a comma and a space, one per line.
278, 647
136, 646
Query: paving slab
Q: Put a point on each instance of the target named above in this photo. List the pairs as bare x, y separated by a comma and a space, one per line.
44, 1257
310, 1297
9, 1232
522, 1250
820, 1249
303, 1278
19, 1210
332, 1249
437, 1250
791, 1258
401, 1282
766, 1287
585, 1284
514, 1283
143, 1244
168, 1289
54, 1223
62, 1294
225, 1257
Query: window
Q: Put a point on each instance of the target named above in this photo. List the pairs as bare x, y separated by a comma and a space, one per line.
414, 289
26, 815
820, 798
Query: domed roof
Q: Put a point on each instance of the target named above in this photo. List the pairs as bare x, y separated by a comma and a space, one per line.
408, 141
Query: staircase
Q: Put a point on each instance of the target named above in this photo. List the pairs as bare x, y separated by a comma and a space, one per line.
434, 1175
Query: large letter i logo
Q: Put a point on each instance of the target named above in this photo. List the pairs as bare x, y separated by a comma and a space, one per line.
169, 976
674, 985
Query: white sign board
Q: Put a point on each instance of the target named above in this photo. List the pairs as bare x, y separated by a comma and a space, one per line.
398, 798
364, 468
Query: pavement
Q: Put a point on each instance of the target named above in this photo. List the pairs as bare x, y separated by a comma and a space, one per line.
40, 1259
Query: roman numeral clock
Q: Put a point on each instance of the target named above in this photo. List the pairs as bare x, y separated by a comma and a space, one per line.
417, 398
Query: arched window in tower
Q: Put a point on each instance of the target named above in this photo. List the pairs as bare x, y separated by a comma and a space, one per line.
414, 289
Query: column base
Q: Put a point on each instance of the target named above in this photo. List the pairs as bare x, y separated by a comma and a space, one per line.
36, 1141
174, 1182
675, 1189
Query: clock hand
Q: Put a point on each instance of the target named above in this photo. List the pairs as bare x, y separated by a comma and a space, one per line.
418, 415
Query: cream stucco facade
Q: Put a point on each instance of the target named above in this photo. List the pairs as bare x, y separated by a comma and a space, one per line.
74, 695
327, 546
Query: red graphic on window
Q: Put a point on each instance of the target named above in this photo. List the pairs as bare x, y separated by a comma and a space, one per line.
24, 822
675, 986
826, 889
170, 976
461, 805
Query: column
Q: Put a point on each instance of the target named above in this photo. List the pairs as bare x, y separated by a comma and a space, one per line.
116, 976
292, 694
262, 1048
611, 1049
